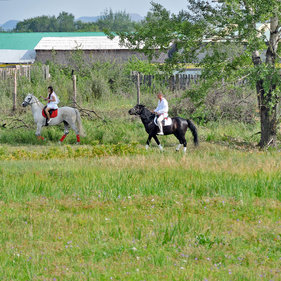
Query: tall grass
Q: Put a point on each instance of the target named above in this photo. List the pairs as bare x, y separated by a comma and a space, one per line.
212, 214
208, 172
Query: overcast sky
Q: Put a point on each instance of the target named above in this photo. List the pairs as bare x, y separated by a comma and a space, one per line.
24, 9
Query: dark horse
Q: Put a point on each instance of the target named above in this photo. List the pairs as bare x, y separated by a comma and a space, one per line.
178, 127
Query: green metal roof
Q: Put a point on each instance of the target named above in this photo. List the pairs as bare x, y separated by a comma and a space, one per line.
28, 41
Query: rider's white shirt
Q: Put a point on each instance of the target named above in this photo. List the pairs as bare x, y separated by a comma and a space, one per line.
53, 104
162, 107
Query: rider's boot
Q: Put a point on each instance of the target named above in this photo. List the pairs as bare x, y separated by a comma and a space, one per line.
160, 128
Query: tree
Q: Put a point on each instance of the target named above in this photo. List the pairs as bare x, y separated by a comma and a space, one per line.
115, 22
86, 27
65, 22
37, 24
237, 40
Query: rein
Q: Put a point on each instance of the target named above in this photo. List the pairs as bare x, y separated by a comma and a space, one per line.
36, 101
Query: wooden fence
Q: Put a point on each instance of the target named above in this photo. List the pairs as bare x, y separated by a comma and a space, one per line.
174, 82
23, 71
14, 73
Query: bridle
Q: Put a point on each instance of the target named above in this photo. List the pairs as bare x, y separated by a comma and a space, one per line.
29, 100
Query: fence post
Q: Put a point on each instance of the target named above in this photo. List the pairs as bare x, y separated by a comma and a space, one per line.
138, 88
74, 90
15, 90
46, 72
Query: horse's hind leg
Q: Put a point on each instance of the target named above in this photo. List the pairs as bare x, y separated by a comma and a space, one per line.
75, 129
66, 131
184, 144
180, 140
66, 128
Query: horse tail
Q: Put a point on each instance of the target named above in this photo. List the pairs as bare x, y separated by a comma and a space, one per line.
193, 131
79, 124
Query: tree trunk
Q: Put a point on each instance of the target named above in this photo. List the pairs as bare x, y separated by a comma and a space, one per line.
268, 117
267, 101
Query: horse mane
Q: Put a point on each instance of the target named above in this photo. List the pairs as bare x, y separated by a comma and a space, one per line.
147, 114
37, 101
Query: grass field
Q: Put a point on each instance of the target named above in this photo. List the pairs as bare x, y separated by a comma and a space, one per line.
109, 210
117, 212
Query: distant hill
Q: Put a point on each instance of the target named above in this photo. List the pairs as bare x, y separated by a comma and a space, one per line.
134, 17
9, 25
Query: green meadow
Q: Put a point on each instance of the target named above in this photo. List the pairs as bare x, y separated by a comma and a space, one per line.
118, 212
110, 210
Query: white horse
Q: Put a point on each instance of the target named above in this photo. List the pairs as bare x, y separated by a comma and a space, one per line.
68, 115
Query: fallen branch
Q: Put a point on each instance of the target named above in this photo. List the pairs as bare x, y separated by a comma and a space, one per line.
88, 112
12, 125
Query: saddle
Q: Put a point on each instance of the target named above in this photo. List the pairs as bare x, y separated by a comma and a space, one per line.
166, 121
53, 113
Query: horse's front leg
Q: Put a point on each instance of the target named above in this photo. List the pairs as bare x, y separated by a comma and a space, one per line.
158, 143
148, 142
38, 131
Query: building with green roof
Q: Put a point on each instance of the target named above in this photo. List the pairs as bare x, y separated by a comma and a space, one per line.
19, 48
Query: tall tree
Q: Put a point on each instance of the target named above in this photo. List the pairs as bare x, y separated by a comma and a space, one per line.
115, 22
237, 39
66, 22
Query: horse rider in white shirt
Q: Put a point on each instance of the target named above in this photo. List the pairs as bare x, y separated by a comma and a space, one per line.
53, 101
161, 111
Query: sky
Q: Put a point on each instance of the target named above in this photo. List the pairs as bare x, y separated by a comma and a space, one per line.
24, 9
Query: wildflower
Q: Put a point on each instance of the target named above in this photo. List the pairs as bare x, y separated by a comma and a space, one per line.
134, 248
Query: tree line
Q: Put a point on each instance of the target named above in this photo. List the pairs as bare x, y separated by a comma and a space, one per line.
65, 22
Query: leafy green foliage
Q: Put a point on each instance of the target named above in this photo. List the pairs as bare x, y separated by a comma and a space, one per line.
65, 22
115, 22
